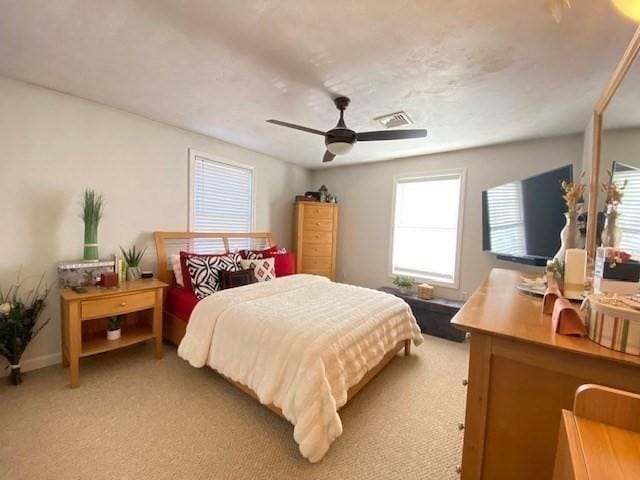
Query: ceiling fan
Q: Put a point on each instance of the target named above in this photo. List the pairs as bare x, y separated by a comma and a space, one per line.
340, 139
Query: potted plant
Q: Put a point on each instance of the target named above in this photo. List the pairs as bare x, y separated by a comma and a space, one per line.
132, 258
114, 331
404, 283
19, 323
92, 208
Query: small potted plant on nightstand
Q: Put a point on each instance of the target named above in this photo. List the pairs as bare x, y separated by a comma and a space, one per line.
132, 258
114, 331
404, 283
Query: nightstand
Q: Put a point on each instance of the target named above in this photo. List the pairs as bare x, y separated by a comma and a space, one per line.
83, 320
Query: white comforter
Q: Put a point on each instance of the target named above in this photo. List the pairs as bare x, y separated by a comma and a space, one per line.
299, 342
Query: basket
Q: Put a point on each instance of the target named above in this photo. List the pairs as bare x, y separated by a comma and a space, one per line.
615, 326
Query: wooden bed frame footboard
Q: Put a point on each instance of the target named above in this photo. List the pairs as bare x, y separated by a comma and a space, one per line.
174, 329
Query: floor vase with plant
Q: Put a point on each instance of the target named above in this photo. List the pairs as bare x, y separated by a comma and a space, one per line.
92, 208
19, 323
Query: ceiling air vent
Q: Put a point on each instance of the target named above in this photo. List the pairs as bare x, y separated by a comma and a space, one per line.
397, 119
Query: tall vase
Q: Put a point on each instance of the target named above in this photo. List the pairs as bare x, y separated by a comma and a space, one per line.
91, 242
611, 233
569, 235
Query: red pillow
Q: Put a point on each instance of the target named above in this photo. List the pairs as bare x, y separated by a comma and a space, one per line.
186, 277
265, 252
285, 263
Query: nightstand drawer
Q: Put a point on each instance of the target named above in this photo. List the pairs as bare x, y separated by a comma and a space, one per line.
117, 305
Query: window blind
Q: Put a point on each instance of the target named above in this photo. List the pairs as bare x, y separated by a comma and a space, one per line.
425, 232
629, 208
221, 196
506, 220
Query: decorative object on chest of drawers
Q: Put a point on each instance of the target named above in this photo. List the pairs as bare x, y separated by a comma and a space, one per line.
85, 316
315, 233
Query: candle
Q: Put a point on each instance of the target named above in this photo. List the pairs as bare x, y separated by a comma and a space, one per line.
575, 272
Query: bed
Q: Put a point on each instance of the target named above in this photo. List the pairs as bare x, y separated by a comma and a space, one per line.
302, 345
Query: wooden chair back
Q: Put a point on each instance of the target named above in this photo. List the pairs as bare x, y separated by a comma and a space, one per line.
617, 408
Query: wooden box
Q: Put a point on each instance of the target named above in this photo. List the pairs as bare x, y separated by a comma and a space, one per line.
425, 291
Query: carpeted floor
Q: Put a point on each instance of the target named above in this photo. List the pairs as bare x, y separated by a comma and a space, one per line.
138, 418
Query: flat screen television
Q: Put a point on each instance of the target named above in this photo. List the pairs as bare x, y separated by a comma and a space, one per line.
522, 220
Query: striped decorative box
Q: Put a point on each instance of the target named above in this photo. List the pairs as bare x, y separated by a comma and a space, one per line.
613, 326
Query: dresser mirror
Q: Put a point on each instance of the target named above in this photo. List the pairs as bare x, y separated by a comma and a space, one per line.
612, 152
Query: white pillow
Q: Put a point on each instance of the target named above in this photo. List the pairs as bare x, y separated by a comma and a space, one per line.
263, 268
174, 261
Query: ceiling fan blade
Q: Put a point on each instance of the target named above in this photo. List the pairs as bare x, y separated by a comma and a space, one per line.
297, 127
328, 157
390, 135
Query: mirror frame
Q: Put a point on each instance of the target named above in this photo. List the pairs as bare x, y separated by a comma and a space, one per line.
625, 63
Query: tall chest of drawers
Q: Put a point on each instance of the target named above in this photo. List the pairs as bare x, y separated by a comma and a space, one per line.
315, 233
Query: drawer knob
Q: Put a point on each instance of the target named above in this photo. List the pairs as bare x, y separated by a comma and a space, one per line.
318, 223
465, 382
461, 426
123, 304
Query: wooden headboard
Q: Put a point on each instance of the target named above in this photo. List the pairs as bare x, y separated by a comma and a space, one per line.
169, 243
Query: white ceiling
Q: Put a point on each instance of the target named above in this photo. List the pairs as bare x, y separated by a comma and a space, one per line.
471, 72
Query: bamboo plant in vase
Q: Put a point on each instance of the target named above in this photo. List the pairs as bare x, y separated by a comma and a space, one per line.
573, 195
19, 323
92, 208
611, 233
132, 258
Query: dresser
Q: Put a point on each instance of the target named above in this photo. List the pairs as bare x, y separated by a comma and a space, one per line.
315, 233
521, 376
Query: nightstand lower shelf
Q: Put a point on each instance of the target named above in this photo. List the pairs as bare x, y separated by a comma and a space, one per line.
98, 343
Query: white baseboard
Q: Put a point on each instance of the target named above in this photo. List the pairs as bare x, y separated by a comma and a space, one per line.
35, 363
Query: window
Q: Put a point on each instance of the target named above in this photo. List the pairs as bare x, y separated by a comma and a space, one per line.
220, 195
629, 209
506, 220
427, 227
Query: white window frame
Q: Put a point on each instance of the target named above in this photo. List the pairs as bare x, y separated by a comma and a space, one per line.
215, 158
441, 174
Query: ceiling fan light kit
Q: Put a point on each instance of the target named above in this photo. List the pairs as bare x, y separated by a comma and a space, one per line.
629, 8
340, 139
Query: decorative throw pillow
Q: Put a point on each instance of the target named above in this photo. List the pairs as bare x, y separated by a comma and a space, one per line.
285, 263
174, 261
263, 268
204, 271
184, 270
231, 279
254, 254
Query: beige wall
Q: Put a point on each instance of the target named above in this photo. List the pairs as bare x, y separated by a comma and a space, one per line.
53, 146
365, 195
